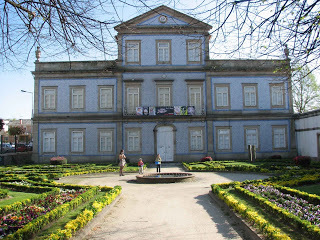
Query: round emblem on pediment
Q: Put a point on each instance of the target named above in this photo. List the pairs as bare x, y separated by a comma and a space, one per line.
162, 19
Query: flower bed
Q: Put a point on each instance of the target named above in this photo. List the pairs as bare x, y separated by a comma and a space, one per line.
270, 231
267, 196
21, 216
58, 160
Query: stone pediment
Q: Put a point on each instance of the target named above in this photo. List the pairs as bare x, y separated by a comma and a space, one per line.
162, 17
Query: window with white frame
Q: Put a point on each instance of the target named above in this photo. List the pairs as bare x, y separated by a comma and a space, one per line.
196, 139
77, 98
49, 98
133, 140
106, 97
279, 137
105, 140
164, 96
195, 98
277, 95
77, 141
251, 137
133, 99
194, 51
224, 138
250, 96
163, 51
222, 96
133, 52
49, 141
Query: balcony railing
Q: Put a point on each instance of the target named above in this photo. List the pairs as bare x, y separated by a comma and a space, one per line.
164, 111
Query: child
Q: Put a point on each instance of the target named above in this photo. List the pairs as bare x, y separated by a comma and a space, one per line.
140, 165
158, 163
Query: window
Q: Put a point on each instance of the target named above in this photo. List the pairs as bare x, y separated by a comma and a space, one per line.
250, 95
164, 96
133, 52
224, 138
105, 140
49, 141
132, 99
277, 95
196, 139
195, 98
194, 51
164, 92
77, 98
251, 136
279, 137
222, 96
77, 141
163, 51
105, 97
134, 140
49, 98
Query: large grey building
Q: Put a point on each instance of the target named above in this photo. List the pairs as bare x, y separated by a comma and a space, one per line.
163, 94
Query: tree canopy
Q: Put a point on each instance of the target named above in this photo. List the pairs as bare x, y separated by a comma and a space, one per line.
256, 28
15, 130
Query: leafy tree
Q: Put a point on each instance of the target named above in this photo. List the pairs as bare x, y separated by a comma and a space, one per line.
1, 124
305, 89
14, 131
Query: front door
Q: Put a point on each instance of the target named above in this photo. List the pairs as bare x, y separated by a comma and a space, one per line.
165, 143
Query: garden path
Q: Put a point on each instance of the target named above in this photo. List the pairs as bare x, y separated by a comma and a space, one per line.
163, 211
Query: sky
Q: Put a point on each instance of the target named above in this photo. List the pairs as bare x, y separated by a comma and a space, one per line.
15, 104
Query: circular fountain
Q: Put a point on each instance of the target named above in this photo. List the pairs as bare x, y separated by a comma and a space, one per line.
165, 177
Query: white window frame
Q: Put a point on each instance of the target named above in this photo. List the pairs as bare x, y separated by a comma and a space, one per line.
224, 138
105, 140
49, 142
77, 98
163, 52
49, 98
133, 139
133, 98
195, 98
279, 137
106, 99
277, 95
133, 52
250, 95
248, 134
77, 140
194, 53
222, 96
164, 98
196, 139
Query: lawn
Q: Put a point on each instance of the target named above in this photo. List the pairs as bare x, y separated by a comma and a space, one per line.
16, 197
313, 189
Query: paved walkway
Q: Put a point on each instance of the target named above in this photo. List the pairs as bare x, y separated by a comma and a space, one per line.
163, 211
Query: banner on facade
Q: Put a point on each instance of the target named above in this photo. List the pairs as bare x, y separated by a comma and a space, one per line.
165, 111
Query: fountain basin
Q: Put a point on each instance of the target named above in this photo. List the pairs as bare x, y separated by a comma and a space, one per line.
165, 177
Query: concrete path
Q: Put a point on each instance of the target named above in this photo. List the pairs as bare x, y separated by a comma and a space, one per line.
163, 211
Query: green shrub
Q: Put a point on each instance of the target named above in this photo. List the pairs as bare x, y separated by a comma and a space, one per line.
3, 193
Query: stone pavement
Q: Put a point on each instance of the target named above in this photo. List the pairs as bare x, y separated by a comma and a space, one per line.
163, 211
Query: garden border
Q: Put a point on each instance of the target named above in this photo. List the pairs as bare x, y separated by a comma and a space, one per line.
249, 231
83, 232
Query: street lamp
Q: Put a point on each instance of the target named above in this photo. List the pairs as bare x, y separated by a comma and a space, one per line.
24, 91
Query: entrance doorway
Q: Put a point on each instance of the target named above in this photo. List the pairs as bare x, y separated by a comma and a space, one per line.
165, 143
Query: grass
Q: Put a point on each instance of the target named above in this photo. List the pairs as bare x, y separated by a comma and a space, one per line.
313, 189
16, 197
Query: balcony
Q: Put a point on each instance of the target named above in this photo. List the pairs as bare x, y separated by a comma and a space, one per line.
164, 111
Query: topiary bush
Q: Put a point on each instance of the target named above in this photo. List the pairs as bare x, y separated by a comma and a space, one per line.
302, 161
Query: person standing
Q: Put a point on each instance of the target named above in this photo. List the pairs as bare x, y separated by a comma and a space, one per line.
158, 163
122, 162
140, 165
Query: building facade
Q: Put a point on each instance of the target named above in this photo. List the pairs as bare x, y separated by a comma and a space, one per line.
308, 134
163, 94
